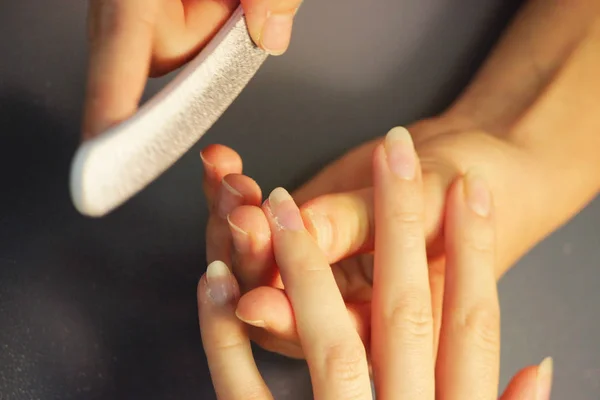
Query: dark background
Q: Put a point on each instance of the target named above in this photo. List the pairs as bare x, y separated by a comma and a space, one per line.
105, 309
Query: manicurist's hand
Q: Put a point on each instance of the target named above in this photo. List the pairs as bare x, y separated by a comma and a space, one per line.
131, 39
407, 363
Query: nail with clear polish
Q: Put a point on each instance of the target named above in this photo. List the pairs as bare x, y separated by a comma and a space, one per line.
276, 32
284, 211
400, 152
544, 379
220, 286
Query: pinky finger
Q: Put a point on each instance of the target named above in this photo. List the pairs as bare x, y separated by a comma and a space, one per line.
531, 383
232, 368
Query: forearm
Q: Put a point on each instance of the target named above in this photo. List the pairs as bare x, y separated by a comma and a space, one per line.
539, 92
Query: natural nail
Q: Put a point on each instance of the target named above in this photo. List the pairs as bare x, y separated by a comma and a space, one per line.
229, 199
219, 284
477, 194
544, 379
284, 210
276, 33
257, 323
241, 239
209, 168
401, 155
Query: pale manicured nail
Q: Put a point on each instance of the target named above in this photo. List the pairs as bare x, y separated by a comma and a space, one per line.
477, 194
241, 239
276, 33
544, 379
229, 199
400, 152
285, 212
219, 284
257, 323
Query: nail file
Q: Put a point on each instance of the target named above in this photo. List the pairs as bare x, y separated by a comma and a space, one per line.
111, 168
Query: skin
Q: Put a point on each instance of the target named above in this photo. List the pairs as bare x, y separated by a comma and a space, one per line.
528, 122
133, 39
468, 361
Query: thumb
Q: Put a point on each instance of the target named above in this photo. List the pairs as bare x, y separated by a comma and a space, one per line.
531, 383
270, 23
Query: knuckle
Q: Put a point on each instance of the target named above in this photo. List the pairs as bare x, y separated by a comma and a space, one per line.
482, 323
410, 228
345, 362
228, 343
410, 315
480, 242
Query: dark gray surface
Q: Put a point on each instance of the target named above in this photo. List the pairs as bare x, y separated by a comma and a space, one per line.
105, 309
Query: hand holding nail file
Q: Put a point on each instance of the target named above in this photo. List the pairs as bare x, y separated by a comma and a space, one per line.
110, 168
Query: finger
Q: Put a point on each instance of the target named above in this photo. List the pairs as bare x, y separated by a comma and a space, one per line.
531, 383
235, 190
334, 352
218, 161
270, 309
356, 163
121, 35
469, 353
343, 223
184, 28
254, 263
230, 360
270, 23
402, 320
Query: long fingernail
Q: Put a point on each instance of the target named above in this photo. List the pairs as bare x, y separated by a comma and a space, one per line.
229, 199
284, 210
241, 239
257, 323
219, 283
477, 194
544, 379
320, 228
276, 32
401, 155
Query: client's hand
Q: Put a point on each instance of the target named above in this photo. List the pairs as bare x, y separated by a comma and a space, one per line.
405, 362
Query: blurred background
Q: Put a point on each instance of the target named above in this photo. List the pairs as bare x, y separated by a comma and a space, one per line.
105, 309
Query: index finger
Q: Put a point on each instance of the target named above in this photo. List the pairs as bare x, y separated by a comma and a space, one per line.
334, 351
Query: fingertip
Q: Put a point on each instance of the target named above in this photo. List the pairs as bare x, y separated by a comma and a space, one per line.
221, 159
523, 385
270, 23
270, 309
250, 220
245, 187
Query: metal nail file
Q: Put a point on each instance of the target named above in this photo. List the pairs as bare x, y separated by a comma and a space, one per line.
114, 166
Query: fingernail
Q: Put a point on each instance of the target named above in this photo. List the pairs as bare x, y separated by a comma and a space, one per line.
477, 194
219, 285
257, 323
209, 168
229, 199
284, 210
400, 152
241, 239
544, 379
320, 228
276, 33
